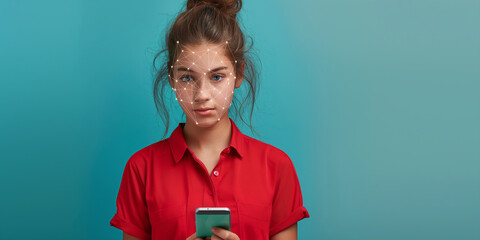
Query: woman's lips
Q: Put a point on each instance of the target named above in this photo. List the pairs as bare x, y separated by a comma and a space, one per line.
204, 112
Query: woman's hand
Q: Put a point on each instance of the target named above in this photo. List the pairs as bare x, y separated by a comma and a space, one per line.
218, 234
193, 237
223, 234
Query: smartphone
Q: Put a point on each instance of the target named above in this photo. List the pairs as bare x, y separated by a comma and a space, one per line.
208, 217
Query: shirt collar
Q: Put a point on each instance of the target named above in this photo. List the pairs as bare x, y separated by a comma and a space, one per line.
178, 146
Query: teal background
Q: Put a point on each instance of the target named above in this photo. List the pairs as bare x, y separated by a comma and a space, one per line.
376, 102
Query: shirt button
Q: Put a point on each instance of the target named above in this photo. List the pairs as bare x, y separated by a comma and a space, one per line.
215, 173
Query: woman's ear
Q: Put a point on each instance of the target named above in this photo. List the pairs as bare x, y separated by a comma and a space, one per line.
240, 74
170, 79
238, 82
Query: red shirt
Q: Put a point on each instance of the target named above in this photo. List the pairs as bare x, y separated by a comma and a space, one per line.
164, 183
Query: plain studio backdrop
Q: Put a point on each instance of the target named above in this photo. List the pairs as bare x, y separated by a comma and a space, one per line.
376, 102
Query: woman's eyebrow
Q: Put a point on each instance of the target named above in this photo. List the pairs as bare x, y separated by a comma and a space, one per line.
190, 70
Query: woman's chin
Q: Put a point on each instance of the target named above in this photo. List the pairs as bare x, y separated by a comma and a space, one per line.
205, 122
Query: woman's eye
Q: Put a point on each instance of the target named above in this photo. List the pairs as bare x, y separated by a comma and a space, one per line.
217, 77
186, 78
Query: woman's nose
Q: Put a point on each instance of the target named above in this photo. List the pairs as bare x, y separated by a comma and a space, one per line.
203, 90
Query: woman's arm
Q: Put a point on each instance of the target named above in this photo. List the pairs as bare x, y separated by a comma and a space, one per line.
128, 237
289, 233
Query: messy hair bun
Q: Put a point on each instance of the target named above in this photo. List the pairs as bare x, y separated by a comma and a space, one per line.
227, 7
211, 21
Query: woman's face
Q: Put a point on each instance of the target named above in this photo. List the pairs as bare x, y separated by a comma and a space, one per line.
204, 78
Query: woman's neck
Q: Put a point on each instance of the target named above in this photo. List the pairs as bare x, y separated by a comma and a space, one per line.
208, 139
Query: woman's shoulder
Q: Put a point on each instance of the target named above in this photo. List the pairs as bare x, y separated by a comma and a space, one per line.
273, 158
273, 153
147, 153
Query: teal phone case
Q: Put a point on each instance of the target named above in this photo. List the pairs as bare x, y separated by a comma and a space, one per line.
204, 222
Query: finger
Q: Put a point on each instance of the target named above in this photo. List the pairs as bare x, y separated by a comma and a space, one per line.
193, 237
224, 234
215, 237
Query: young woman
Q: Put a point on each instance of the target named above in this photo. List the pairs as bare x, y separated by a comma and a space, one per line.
207, 161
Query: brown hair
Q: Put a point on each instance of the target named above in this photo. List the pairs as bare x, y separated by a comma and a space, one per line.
212, 21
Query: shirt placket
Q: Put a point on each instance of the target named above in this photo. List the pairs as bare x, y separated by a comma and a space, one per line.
211, 194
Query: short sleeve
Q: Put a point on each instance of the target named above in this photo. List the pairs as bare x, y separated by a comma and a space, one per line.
132, 213
287, 206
